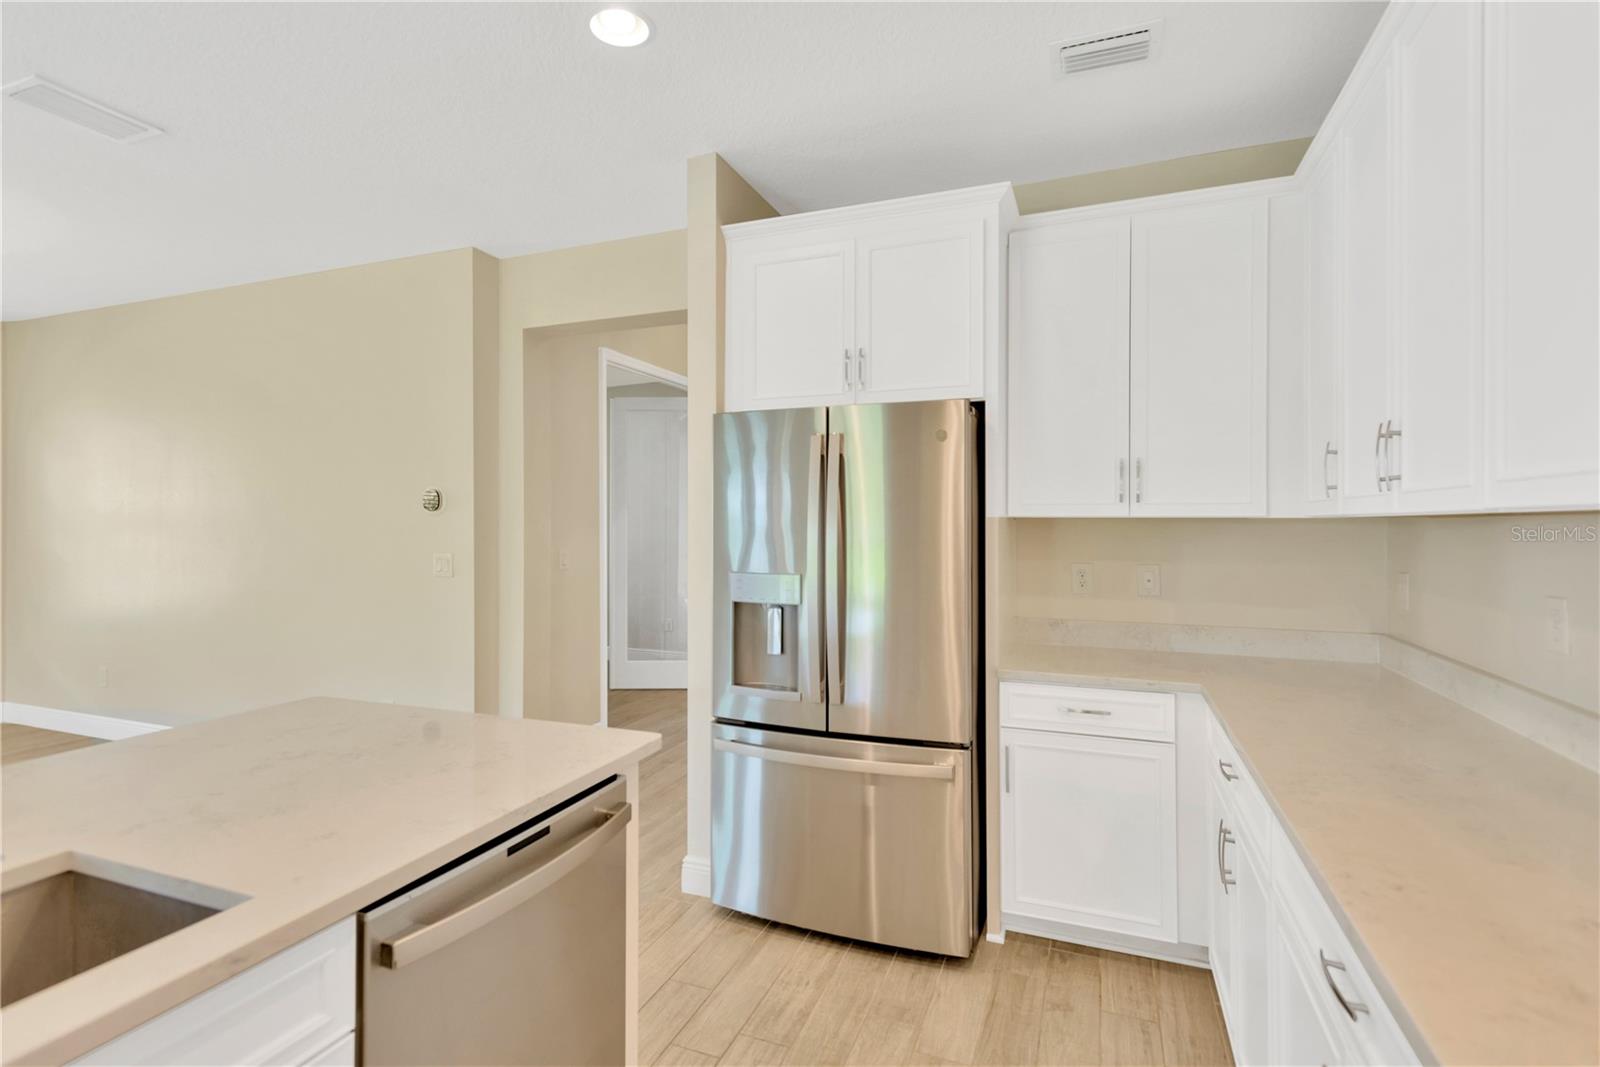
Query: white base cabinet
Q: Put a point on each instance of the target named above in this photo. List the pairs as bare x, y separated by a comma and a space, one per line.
1096, 785
1088, 809
298, 1007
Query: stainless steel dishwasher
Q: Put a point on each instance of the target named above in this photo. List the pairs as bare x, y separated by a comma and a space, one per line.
513, 954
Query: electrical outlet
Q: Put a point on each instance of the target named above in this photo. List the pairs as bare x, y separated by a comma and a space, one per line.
1402, 591
1557, 632
444, 565
1147, 579
1082, 579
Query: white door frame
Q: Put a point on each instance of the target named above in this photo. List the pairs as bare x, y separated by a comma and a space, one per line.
607, 358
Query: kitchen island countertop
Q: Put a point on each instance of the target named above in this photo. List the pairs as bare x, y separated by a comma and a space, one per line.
311, 810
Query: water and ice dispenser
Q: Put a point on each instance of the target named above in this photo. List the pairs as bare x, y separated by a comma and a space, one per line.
766, 633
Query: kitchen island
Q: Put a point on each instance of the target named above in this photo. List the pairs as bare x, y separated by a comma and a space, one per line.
303, 813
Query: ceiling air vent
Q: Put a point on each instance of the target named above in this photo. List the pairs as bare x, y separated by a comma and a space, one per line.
1109, 48
76, 108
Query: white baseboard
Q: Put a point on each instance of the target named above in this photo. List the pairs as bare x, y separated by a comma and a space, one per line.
997, 938
82, 723
1133, 945
696, 876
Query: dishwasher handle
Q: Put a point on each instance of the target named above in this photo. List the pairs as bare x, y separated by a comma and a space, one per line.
428, 939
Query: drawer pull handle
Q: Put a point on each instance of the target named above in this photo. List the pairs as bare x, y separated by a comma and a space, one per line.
1080, 711
1227, 771
1351, 1008
1224, 839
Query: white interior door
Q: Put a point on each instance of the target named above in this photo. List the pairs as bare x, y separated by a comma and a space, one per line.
647, 590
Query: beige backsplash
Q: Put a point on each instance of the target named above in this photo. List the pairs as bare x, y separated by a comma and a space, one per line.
1477, 592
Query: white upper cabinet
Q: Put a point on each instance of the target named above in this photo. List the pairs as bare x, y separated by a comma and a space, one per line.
1068, 397
1438, 81
790, 315
1542, 97
1138, 358
1198, 412
1323, 345
870, 304
919, 312
1368, 288
1451, 198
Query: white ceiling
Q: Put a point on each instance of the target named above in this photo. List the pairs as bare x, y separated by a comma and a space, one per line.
305, 136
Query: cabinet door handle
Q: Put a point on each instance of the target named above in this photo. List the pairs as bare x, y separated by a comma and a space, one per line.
1224, 839
1328, 484
861, 368
1377, 464
847, 370
1064, 709
1227, 771
1138, 481
1351, 1008
1008, 768
1389, 434
1122, 480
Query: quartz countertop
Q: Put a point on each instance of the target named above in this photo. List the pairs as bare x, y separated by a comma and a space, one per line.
1462, 859
312, 810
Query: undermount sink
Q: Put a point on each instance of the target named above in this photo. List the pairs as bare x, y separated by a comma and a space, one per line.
87, 913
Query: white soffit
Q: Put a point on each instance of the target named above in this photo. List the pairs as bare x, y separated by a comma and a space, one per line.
300, 137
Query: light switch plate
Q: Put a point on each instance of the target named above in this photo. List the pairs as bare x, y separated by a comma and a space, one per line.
1147, 579
444, 565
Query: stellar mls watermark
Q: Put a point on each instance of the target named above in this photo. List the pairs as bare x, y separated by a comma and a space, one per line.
1548, 533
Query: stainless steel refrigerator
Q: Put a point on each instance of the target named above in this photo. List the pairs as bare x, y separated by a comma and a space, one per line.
845, 681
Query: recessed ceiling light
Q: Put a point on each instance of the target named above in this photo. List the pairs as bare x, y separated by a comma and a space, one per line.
619, 26
76, 108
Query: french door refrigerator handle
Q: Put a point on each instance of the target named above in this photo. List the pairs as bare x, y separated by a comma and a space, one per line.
812, 679
943, 771
428, 939
833, 568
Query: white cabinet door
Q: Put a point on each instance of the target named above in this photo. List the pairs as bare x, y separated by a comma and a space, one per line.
1252, 905
1543, 166
1438, 74
1198, 419
790, 322
1368, 299
1068, 356
1224, 924
1297, 1033
1089, 832
1323, 337
919, 312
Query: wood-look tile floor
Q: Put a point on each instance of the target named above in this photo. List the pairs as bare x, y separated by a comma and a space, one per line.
18, 742
719, 987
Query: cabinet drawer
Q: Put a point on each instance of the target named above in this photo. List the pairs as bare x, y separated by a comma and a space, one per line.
1236, 786
1128, 713
285, 1009
1347, 999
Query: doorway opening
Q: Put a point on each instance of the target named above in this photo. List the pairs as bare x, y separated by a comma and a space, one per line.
643, 526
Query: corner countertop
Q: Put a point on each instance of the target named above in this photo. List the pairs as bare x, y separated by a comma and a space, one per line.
312, 810
1465, 859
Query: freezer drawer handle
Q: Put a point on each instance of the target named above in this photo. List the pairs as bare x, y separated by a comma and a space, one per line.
453, 927
945, 771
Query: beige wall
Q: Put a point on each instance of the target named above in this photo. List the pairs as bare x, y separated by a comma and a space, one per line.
1275, 160
1478, 590
1297, 574
563, 566
634, 282
212, 501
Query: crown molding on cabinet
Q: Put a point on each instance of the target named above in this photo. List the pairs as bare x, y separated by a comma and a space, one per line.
976, 196
1265, 187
